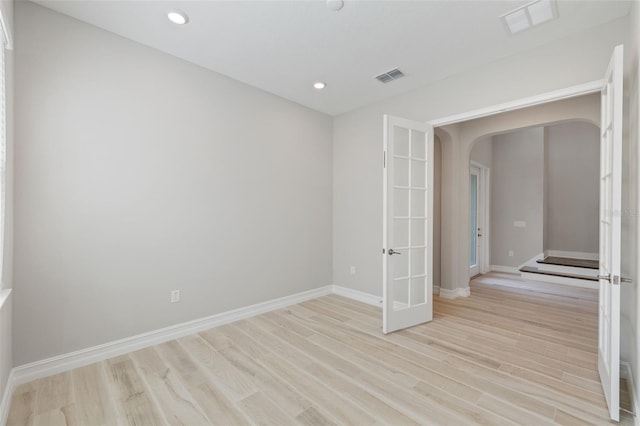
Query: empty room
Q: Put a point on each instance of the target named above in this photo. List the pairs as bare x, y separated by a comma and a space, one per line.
319, 212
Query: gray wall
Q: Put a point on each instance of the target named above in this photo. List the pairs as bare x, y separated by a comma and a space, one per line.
517, 195
482, 151
138, 173
472, 140
572, 152
357, 175
570, 167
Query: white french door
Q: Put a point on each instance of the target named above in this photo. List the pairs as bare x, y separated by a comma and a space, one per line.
407, 224
610, 232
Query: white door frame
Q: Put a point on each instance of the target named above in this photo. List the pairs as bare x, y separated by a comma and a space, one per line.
543, 98
484, 204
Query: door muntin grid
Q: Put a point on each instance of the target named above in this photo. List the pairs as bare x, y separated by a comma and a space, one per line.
408, 204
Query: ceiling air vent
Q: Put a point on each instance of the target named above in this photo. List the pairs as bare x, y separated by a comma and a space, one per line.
390, 75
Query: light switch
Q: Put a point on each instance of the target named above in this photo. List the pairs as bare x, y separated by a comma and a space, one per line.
519, 224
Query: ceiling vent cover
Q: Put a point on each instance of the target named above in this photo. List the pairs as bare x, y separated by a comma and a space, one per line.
390, 75
531, 14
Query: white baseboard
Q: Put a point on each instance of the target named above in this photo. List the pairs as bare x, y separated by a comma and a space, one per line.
532, 261
368, 298
572, 254
7, 395
505, 269
455, 293
359, 296
627, 373
54, 365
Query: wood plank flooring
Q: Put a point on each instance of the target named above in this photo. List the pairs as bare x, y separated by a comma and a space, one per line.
514, 352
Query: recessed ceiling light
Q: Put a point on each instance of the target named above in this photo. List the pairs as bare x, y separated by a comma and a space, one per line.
177, 17
319, 85
529, 15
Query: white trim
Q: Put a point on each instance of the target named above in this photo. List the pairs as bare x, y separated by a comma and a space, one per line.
532, 261
57, 364
359, 296
557, 95
505, 269
627, 373
484, 207
7, 392
573, 254
4, 296
6, 34
7, 395
455, 293
476, 268
65, 362
399, 305
552, 279
436, 289
587, 272
486, 267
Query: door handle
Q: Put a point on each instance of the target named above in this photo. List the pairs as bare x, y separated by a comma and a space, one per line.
392, 252
616, 279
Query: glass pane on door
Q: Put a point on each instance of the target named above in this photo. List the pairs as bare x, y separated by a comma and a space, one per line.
473, 226
400, 294
418, 236
401, 233
401, 141
418, 203
418, 295
401, 172
418, 147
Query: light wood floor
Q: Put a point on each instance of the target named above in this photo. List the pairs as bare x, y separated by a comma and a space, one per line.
505, 355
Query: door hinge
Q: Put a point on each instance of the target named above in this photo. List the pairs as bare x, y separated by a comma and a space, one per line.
383, 252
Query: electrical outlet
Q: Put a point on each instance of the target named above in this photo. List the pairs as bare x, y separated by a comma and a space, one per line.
510, 253
175, 296
352, 270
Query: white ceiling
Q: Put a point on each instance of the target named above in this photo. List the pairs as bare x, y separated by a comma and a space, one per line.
282, 47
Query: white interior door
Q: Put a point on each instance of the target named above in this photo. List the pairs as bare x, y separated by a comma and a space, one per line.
407, 224
610, 227
475, 248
